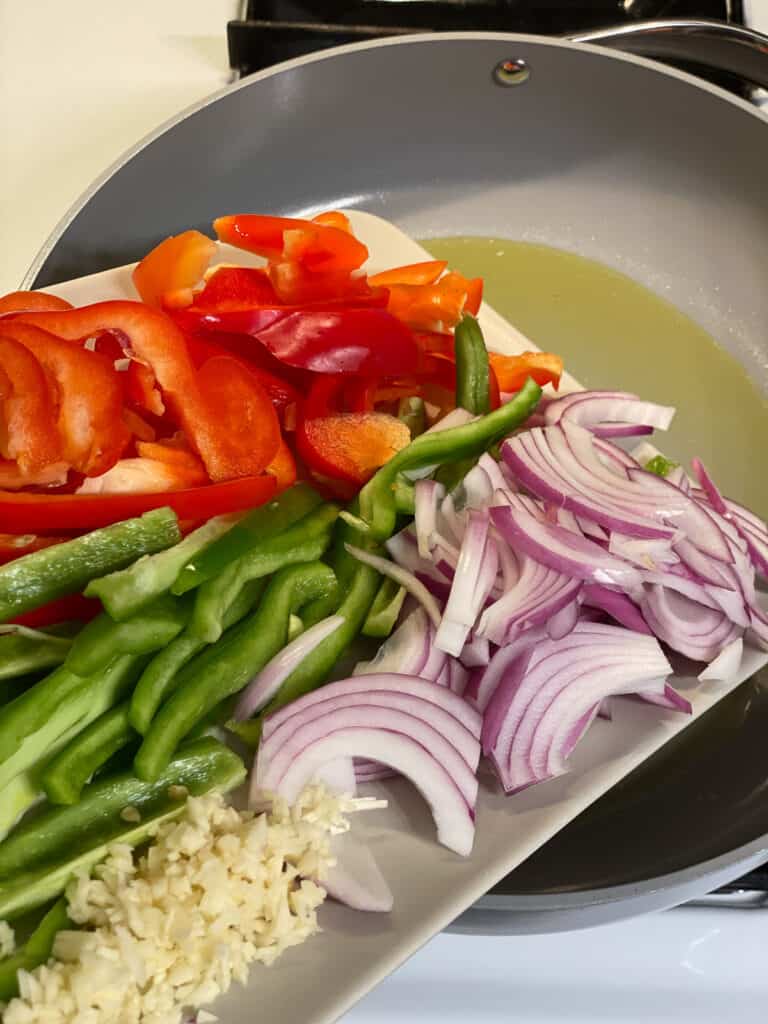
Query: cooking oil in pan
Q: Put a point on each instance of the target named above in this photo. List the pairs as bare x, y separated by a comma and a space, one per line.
614, 333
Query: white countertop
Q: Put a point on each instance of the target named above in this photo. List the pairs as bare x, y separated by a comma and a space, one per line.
80, 82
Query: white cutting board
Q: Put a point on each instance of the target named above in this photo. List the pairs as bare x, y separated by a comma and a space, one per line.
315, 983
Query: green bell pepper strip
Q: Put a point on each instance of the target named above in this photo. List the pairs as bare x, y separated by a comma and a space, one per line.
376, 502
304, 541
24, 651
413, 413
128, 591
65, 776
41, 720
226, 667
16, 798
54, 572
385, 609
36, 950
258, 525
472, 370
103, 639
161, 675
42, 855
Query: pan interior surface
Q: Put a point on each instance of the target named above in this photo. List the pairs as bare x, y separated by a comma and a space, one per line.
598, 154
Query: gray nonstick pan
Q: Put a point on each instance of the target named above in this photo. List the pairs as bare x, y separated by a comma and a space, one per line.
604, 153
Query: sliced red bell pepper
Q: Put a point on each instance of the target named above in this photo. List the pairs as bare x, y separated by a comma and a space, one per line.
280, 392
33, 512
296, 286
430, 307
90, 399
147, 476
314, 245
333, 219
345, 446
170, 273
244, 411
359, 341
28, 431
414, 273
173, 455
512, 371
138, 427
14, 545
74, 608
232, 288
159, 343
140, 388
18, 302
283, 467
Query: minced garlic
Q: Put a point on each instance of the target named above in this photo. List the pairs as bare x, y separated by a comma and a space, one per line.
216, 891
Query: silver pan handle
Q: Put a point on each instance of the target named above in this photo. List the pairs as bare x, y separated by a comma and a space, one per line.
716, 44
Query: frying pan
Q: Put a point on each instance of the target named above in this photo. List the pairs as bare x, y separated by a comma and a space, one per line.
608, 154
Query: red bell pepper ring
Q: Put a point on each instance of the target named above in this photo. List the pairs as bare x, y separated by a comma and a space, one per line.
20, 302
345, 446
28, 431
90, 398
313, 245
170, 273
24, 511
74, 608
158, 342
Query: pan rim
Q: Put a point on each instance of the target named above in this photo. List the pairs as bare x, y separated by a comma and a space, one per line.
734, 861
337, 51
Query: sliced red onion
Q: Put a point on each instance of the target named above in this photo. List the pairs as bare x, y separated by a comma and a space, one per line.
685, 513
338, 776
708, 570
758, 627
617, 605
406, 650
408, 744
458, 676
590, 529
612, 456
427, 497
605, 709
726, 664
647, 552
752, 530
554, 410
531, 459
402, 576
393, 681
476, 652
547, 708
494, 471
483, 684
563, 551
669, 699
436, 659
372, 771
565, 518
563, 621
461, 739
356, 879
611, 414
474, 577
268, 681
476, 489
444, 674
508, 564
679, 478
685, 625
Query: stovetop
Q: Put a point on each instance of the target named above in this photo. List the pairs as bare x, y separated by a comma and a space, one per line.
277, 30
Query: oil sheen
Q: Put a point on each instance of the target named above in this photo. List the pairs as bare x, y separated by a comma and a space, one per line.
614, 333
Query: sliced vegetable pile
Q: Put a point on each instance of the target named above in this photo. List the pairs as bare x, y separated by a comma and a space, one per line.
516, 566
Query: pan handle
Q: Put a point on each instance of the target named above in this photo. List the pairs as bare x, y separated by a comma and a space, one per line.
716, 44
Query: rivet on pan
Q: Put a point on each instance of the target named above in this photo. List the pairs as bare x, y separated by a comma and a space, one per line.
513, 71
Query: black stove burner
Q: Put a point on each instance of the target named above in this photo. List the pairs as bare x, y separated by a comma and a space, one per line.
277, 30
